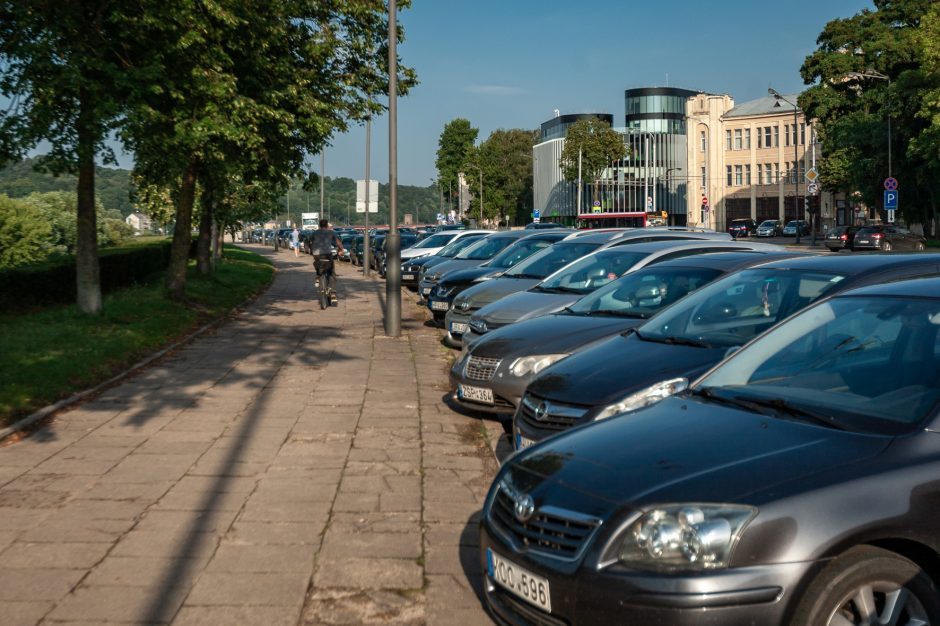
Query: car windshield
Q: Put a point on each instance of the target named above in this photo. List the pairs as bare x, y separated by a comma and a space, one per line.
768, 223
869, 364
551, 259
517, 252
436, 241
455, 247
485, 249
593, 271
644, 292
408, 240
735, 309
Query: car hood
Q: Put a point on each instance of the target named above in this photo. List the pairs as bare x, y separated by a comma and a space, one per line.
549, 334
467, 274
410, 253
619, 366
524, 305
682, 450
452, 265
492, 290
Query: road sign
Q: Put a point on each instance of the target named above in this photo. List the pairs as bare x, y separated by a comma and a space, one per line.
858, 210
704, 200
891, 216
596, 208
536, 219
536, 214
361, 196
812, 188
812, 175
597, 203
891, 183
649, 202
891, 199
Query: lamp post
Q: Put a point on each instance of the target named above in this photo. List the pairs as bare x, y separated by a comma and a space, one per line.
796, 160
879, 76
479, 169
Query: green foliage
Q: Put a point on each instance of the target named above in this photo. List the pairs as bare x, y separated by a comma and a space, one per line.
896, 41
24, 235
455, 147
113, 186
598, 144
506, 160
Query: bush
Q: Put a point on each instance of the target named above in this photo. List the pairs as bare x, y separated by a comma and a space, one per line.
24, 235
54, 282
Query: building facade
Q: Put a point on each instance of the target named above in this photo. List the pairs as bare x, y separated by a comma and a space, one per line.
139, 222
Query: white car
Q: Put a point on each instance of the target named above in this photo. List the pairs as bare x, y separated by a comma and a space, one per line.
435, 242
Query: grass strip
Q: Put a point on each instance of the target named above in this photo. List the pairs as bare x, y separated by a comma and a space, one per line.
50, 354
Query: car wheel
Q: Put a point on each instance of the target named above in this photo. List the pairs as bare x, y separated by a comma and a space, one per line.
887, 247
868, 585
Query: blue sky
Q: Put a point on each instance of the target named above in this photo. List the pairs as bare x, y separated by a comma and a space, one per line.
509, 63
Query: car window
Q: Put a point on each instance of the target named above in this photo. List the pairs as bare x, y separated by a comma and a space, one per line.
517, 252
593, 271
484, 249
436, 241
552, 259
455, 247
642, 293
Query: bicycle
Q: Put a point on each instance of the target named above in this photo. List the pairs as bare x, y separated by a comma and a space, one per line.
326, 280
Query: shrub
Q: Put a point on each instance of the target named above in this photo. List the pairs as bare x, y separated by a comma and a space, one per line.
24, 235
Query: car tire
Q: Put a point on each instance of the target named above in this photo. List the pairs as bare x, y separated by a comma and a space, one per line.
887, 247
834, 249
868, 576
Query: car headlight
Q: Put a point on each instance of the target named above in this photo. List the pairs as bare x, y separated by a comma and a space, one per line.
685, 536
433, 277
523, 366
478, 326
644, 397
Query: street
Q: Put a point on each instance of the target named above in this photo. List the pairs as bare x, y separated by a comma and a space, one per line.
292, 466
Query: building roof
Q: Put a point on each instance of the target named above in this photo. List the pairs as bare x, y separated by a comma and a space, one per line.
762, 106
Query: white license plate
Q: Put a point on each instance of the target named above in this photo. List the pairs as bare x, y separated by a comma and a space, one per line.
523, 442
425, 291
862, 241
521, 582
477, 394
407, 276
440, 305
458, 328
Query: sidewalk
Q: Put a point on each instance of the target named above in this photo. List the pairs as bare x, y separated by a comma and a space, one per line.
293, 467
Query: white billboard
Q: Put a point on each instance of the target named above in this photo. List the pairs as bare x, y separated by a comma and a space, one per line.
361, 196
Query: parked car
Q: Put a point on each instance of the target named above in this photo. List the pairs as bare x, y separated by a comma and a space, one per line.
887, 238
435, 242
407, 240
494, 371
790, 229
742, 228
841, 238
355, 250
770, 228
795, 483
538, 225
659, 357
444, 255
587, 274
539, 266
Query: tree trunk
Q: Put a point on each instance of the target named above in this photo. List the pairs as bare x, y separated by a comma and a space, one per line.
87, 270
204, 244
179, 251
217, 242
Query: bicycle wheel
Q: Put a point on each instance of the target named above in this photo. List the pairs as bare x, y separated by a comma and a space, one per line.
324, 293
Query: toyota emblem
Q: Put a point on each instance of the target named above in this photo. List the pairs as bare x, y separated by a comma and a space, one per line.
540, 411
524, 507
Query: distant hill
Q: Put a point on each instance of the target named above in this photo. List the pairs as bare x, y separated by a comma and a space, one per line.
112, 185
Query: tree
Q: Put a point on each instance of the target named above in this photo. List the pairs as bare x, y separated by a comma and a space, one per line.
455, 147
66, 75
595, 145
506, 160
853, 111
24, 235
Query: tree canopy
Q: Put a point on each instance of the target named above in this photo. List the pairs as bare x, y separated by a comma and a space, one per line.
597, 144
455, 147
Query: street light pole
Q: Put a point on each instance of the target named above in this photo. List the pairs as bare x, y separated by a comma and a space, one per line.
393, 240
796, 160
480, 169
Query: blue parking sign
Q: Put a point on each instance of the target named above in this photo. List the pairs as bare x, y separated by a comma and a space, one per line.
891, 199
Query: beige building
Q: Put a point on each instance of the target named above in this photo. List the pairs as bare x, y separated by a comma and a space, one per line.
751, 160
139, 222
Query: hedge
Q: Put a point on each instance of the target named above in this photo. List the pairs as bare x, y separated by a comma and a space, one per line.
53, 282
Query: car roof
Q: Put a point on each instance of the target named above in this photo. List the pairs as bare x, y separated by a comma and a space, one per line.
464, 233
594, 236
728, 260
684, 244
850, 264
928, 286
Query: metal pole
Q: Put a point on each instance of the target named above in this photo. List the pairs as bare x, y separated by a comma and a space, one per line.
393, 241
796, 179
322, 180
889, 126
481, 198
577, 210
366, 269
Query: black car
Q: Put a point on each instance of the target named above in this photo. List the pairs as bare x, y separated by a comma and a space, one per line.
887, 238
540, 225
407, 240
658, 358
841, 238
795, 483
742, 228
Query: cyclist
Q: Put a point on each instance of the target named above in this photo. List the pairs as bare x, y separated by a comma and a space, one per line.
321, 247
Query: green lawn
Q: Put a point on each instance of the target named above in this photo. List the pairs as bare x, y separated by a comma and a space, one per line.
50, 354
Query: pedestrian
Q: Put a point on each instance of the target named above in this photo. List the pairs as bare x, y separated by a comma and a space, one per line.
295, 241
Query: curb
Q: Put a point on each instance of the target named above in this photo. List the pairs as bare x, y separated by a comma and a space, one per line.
46, 411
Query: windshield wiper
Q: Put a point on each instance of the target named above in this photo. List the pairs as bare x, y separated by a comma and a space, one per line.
615, 313
541, 289
523, 276
783, 406
675, 340
735, 401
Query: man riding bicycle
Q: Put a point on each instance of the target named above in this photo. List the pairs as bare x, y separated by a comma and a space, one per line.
321, 247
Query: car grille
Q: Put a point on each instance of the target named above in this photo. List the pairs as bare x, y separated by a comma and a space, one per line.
552, 531
529, 614
481, 368
552, 415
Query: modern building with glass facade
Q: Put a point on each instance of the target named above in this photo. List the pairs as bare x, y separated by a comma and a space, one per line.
650, 182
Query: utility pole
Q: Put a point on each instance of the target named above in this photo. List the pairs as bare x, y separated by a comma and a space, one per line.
322, 180
393, 241
366, 267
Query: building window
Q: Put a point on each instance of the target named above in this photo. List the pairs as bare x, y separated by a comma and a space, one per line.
775, 177
767, 141
802, 170
747, 174
728, 173
738, 178
727, 140
760, 138
794, 134
703, 178
802, 134
702, 141
786, 134
776, 136
760, 174
747, 138
738, 143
